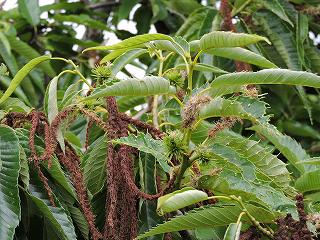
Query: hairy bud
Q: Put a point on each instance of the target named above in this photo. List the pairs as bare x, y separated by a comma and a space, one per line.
174, 144
103, 74
175, 78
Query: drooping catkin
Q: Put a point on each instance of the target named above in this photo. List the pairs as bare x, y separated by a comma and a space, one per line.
71, 162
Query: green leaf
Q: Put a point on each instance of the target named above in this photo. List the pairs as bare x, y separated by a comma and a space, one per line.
6, 54
215, 233
302, 31
201, 67
282, 39
148, 217
180, 199
18, 91
184, 7
268, 76
314, 160
243, 55
306, 103
240, 177
57, 216
273, 76
300, 129
233, 231
220, 91
14, 105
200, 133
260, 157
275, 7
29, 9
183, 45
121, 56
21, 74
133, 42
242, 107
239, 5
159, 10
134, 87
60, 177
143, 17
94, 164
9, 173
286, 145
24, 168
69, 96
114, 54
126, 58
313, 55
81, 19
80, 221
73, 6
190, 27
5, 45
208, 217
55, 171
29, 53
125, 8
208, 22
220, 39
145, 143
10, 60
128, 103
53, 108
168, 46
308, 181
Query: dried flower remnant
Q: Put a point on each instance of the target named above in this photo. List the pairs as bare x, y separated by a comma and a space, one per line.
224, 123
192, 108
315, 220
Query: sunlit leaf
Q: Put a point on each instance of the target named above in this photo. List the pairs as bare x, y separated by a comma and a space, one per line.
220, 39
133, 42
134, 87
179, 199
208, 217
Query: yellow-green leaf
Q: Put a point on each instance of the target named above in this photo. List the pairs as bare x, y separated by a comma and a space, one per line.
180, 199
220, 39
133, 42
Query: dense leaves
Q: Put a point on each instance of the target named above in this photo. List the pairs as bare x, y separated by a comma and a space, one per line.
9, 171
